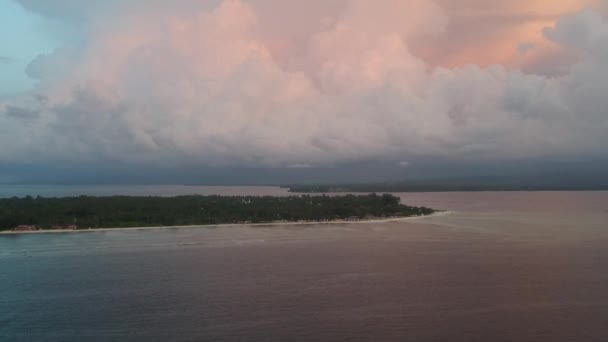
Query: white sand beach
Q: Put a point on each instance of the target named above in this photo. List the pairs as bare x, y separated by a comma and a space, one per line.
229, 225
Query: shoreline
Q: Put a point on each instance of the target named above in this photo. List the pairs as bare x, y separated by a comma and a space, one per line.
233, 225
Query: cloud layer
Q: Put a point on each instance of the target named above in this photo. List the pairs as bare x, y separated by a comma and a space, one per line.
261, 83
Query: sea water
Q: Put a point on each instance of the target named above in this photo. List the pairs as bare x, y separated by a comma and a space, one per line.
511, 266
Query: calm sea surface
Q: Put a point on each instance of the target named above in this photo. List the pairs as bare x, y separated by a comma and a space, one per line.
503, 267
12, 190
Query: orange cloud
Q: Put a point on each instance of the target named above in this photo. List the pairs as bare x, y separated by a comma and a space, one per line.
484, 33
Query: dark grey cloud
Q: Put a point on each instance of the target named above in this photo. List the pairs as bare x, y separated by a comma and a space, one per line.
21, 113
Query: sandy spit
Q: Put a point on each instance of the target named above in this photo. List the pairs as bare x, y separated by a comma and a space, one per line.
233, 225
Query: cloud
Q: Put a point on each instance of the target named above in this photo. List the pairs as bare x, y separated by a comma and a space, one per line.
231, 82
526, 47
6, 60
488, 32
20, 113
586, 31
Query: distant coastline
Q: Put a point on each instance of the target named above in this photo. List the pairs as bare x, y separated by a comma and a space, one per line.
420, 188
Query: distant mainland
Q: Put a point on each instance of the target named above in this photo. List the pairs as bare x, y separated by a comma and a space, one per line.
438, 187
87, 212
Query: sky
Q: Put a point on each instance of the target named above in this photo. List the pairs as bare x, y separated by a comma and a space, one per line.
296, 85
23, 39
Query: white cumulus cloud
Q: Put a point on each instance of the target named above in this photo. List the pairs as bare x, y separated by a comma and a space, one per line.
221, 83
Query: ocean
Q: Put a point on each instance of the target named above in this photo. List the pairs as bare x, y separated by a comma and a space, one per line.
21, 190
501, 266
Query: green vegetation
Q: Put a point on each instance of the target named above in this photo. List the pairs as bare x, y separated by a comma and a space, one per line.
117, 212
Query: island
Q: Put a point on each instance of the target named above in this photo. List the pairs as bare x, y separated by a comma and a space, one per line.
87, 212
439, 186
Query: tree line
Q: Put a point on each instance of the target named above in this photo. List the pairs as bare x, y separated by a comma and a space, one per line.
122, 211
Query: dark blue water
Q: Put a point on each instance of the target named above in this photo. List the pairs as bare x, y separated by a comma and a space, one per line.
469, 276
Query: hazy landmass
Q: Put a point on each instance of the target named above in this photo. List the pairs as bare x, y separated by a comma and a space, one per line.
438, 187
122, 212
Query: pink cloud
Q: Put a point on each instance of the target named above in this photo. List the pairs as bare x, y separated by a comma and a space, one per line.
237, 83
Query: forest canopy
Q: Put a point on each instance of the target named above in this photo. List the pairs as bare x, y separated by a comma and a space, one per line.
120, 211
